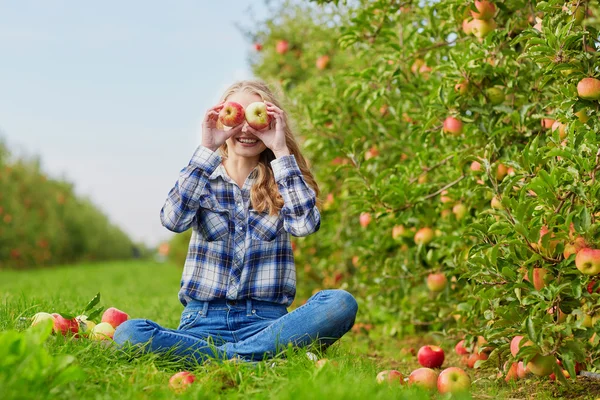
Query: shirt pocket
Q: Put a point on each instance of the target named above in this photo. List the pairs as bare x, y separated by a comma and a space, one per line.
213, 224
263, 226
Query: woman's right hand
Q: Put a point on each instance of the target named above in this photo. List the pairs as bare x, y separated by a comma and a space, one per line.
213, 137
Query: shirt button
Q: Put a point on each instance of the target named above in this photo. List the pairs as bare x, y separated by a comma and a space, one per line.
239, 204
240, 228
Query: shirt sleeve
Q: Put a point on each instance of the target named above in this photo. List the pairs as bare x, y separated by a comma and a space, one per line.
189, 191
301, 216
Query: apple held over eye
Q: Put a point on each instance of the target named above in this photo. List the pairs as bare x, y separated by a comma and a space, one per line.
431, 356
589, 89
232, 114
102, 331
181, 381
587, 261
114, 316
436, 282
256, 115
453, 380
423, 377
390, 376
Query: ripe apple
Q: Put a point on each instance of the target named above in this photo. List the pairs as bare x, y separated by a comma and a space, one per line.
481, 28
436, 282
541, 365
365, 219
431, 356
547, 123
460, 348
485, 10
114, 316
462, 87
514, 345
582, 116
398, 231
562, 129
232, 114
282, 46
589, 89
390, 376
322, 62
371, 153
423, 377
85, 326
41, 316
476, 356
511, 372
181, 381
593, 285
453, 126
102, 331
459, 210
540, 278
495, 95
256, 115
258, 46
501, 171
522, 370
423, 236
466, 26
65, 326
587, 261
453, 380
496, 203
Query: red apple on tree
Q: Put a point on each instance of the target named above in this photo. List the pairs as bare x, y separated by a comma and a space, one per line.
282, 46
485, 10
365, 219
258, 46
423, 377
462, 88
114, 316
232, 114
256, 115
431, 356
453, 126
589, 89
181, 381
424, 236
540, 278
436, 282
587, 261
453, 380
475, 166
322, 62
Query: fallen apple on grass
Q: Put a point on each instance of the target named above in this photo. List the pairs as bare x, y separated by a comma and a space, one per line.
460, 348
41, 316
423, 377
390, 376
102, 331
85, 325
181, 381
431, 356
453, 380
64, 326
114, 317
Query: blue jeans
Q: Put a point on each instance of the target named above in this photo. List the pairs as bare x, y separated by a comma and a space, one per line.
248, 329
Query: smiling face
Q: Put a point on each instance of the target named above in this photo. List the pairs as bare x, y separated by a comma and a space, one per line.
244, 144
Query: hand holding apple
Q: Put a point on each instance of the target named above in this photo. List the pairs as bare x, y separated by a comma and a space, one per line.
273, 138
212, 136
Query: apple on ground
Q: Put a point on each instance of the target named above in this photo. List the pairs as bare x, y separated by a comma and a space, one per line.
41, 316
424, 236
102, 331
476, 356
522, 370
423, 377
256, 115
460, 348
453, 126
181, 381
390, 376
453, 380
114, 316
589, 89
232, 114
325, 361
511, 371
282, 46
430, 356
436, 282
365, 219
85, 326
587, 261
64, 326
541, 365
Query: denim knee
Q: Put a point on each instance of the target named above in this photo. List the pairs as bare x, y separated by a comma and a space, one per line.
343, 303
133, 331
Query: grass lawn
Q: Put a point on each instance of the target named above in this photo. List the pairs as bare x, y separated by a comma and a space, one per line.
148, 290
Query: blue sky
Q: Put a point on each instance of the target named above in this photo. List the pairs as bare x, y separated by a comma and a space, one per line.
110, 95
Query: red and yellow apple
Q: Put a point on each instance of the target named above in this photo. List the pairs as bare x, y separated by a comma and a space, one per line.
424, 236
589, 89
256, 115
102, 331
364, 219
485, 10
114, 316
453, 380
390, 376
453, 126
431, 356
587, 261
232, 114
436, 282
181, 381
423, 377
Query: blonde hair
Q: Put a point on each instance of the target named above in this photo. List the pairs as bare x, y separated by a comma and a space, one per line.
264, 194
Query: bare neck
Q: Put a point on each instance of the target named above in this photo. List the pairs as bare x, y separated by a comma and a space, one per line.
238, 168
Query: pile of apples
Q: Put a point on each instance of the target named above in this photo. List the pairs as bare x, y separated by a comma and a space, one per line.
80, 325
450, 380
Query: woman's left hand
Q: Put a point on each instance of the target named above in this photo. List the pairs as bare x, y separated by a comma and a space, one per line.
274, 136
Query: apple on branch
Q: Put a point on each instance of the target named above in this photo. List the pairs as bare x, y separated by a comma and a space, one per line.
589, 89
423, 236
364, 219
282, 46
453, 126
485, 10
587, 261
436, 282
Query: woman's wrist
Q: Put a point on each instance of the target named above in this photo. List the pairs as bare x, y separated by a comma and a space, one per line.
281, 153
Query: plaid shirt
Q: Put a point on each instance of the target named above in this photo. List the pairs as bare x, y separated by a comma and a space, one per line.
236, 252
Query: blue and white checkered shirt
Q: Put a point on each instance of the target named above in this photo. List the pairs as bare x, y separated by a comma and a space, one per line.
236, 252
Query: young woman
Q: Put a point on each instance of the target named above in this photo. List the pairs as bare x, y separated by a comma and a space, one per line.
243, 194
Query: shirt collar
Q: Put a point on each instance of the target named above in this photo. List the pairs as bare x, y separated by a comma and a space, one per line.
220, 171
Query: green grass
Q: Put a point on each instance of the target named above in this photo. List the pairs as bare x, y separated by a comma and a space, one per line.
149, 290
